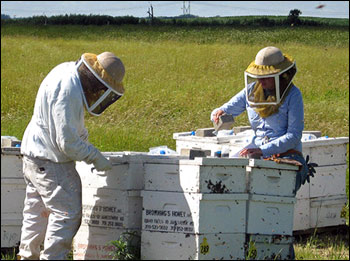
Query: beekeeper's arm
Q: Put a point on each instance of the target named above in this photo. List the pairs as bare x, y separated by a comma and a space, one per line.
68, 113
235, 106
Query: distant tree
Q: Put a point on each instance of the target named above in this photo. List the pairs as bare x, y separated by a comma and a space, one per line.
5, 16
293, 17
186, 16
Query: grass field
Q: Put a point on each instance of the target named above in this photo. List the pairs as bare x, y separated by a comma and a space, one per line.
174, 78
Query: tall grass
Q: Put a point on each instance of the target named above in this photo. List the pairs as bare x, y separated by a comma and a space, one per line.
314, 36
323, 247
185, 20
174, 76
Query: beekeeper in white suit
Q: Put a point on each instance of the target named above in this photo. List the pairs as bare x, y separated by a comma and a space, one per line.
54, 139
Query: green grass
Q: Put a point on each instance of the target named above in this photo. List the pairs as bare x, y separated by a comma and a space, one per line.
323, 246
319, 246
175, 76
9, 254
314, 36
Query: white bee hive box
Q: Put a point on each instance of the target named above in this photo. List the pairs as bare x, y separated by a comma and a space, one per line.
162, 173
213, 175
181, 246
194, 212
326, 152
302, 215
13, 191
126, 173
326, 211
328, 181
201, 175
92, 243
271, 178
103, 207
319, 212
304, 191
185, 141
271, 247
270, 215
11, 224
11, 163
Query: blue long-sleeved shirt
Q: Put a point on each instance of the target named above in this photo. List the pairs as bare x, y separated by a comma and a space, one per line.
277, 133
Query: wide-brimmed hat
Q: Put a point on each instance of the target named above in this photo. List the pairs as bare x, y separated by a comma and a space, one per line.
269, 60
109, 68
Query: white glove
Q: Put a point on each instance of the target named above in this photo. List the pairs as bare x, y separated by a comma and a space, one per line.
102, 164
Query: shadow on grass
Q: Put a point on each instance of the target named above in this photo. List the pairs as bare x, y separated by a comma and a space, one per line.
336, 234
329, 243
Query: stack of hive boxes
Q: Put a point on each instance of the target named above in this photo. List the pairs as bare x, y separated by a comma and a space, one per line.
271, 188
206, 208
213, 208
320, 202
111, 205
194, 209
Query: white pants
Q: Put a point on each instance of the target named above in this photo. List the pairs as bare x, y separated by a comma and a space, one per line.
52, 209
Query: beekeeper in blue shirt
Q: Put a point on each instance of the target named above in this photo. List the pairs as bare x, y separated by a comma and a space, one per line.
274, 106
54, 139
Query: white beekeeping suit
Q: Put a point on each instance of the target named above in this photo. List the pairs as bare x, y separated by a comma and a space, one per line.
54, 139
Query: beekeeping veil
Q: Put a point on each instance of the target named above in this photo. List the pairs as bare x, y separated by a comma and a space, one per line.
109, 70
269, 63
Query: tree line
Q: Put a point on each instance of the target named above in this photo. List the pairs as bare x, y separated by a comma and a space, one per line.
292, 19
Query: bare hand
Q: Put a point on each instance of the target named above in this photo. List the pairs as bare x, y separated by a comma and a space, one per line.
255, 153
217, 115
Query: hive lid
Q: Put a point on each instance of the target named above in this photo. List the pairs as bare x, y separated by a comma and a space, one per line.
11, 151
224, 196
216, 161
328, 200
268, 239
325, 142
273, 199
258, 163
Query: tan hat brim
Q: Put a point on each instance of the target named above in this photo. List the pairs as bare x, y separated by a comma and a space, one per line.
91, 60
261, 70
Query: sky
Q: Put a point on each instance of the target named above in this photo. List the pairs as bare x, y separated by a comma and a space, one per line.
332, 9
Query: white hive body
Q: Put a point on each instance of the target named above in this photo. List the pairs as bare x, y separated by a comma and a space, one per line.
270, 247
182, 246
13, 190
94, 243
112, 204
194, 212
269, 178
201, 208
201, 175
216, 199
328, 153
